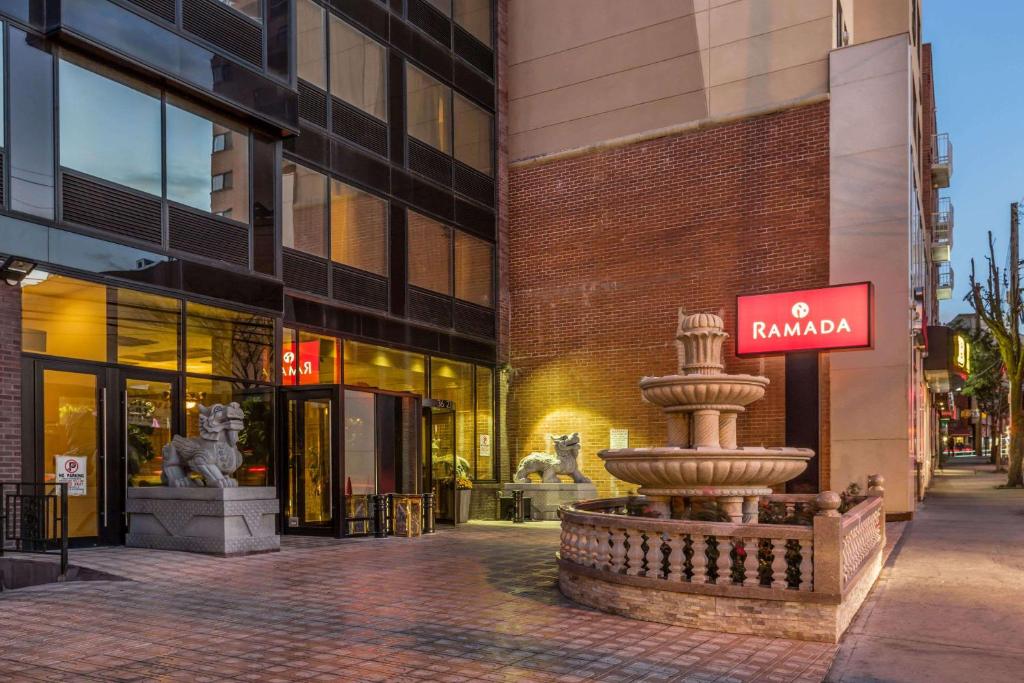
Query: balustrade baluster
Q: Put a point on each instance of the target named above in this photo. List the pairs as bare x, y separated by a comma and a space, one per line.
699, 561
778, 563
574, 541
750, 562
593, 533
724, 562
618, 554
635, 554
601, 548
806, 565
676, 558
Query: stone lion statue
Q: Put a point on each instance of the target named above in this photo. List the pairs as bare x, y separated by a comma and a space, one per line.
567, 449
213, 454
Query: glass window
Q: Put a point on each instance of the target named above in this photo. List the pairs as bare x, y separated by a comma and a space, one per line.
474, 265
484, 422
2, 107
358, 66
62, 316
229, 343
250, 8
256, 441
309, 358
428, 105
453, 381
377, 367
475, 17
148, 329
110, 129
198, 173
303, 201
473, 135
309, 40
359, 228
360, 444
430, 255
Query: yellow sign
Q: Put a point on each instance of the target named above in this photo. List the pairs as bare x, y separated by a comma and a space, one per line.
962, 353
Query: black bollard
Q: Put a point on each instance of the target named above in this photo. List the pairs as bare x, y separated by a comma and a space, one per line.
380, 516
518, 509
428, 513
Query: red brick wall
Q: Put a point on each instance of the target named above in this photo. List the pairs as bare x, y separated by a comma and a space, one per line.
605, 247
10, 382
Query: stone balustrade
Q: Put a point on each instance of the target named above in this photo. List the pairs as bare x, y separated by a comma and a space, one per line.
636, 564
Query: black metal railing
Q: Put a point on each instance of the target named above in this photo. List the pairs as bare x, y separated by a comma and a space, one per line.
34, 519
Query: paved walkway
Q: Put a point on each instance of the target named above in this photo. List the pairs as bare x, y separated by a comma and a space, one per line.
479, 603
950, 604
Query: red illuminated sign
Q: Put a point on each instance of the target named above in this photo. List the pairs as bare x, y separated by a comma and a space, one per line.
837, 317
305, 366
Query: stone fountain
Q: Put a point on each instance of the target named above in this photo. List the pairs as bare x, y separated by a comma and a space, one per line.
702, 461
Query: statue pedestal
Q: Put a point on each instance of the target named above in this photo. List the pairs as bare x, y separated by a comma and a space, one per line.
235, 521
546, 498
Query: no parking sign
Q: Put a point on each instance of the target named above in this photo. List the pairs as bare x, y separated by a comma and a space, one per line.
71, 471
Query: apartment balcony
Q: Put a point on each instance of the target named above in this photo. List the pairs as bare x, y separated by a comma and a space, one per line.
942, 231
944, 282
942, 160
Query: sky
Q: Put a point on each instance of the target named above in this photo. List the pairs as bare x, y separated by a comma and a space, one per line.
979, 92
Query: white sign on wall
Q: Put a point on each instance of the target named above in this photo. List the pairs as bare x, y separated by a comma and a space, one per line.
618, 438
71, 471
484, 447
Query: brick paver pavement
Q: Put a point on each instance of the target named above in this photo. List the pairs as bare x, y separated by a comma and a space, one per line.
477, 603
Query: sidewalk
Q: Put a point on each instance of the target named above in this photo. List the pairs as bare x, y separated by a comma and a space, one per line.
949, 606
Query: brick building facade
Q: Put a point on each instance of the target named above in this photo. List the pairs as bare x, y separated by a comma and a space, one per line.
10, 383
606, 246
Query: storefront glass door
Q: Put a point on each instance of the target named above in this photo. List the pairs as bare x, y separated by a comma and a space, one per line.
443, 470
309, 491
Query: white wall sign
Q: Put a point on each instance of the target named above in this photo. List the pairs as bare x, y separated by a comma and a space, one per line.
618, 438
71, 471
484, 447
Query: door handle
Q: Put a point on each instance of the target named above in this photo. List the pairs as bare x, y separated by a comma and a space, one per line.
106, 491
124, 418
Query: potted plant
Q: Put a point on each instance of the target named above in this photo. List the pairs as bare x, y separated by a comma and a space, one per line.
463, 493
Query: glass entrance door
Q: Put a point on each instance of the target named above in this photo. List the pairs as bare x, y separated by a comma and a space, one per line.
443, 470
310, 487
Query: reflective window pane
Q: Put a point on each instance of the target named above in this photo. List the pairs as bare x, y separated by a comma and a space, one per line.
453, 381
149, 412
31, 95
473, 135
229, 343
430, 256
148, 329
108, 128
256, 441
475, 17
444, 6
367, 365
303, 203
428, 109
309, 358
474, 266
309, 41
250, 8
207, 161
484, 422
360, 444
62, 316
358, 69
359, 228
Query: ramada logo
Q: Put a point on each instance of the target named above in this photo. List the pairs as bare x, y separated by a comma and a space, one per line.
800, 311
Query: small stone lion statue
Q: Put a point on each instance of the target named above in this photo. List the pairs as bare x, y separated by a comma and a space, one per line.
567, 449
213, 454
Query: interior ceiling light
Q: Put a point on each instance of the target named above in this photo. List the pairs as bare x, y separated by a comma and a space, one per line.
14, 269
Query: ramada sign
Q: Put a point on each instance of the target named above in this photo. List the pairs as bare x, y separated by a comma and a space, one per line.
838, 317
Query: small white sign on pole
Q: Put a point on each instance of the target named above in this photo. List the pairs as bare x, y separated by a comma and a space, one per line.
71, 470
618, 438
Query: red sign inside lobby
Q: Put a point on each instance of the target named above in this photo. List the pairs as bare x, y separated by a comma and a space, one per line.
837, 317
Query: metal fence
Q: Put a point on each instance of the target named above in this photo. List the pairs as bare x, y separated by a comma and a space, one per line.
34, 519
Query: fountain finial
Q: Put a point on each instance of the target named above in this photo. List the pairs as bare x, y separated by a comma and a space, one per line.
699, 339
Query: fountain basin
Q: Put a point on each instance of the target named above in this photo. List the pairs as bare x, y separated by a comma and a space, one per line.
669, 470
693, 391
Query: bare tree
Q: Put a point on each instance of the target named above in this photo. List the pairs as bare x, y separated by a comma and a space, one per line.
998, 304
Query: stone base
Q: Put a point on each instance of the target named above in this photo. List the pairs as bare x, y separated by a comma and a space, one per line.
235, 521
805, 617
546, 498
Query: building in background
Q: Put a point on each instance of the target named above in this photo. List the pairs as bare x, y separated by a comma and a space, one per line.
667, 154
290, 204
